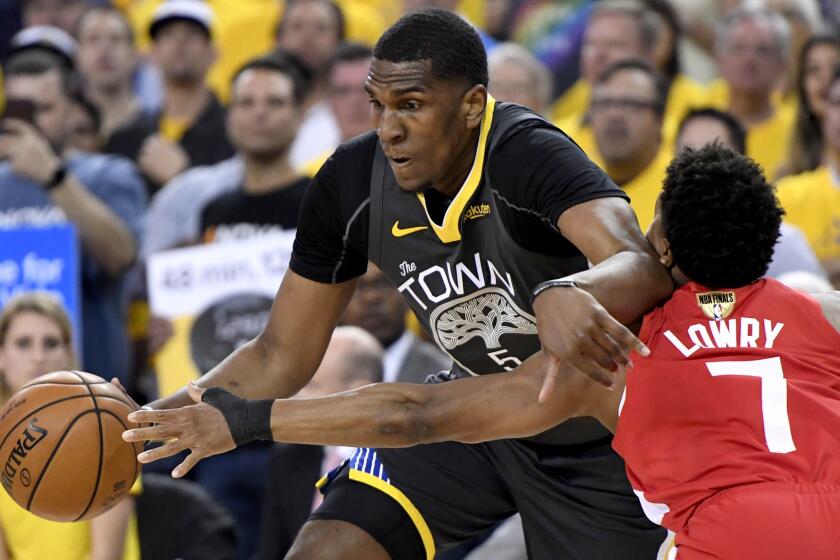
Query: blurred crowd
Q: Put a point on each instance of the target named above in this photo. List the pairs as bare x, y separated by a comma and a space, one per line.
152, 125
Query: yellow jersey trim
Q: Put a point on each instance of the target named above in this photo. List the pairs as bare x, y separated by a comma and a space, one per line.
450, 230
402, 499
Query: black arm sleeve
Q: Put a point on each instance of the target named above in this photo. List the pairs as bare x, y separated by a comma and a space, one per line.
540, 170
332, 234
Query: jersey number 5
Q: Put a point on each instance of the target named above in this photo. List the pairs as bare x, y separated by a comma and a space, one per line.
773, 398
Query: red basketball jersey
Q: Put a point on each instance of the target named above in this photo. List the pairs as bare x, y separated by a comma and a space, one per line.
742, 386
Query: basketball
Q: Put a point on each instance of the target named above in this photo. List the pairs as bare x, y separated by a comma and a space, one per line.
61, 448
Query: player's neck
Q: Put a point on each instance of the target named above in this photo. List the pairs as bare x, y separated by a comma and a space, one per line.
459, 169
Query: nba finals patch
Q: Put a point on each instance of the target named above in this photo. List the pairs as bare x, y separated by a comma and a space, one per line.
716, 305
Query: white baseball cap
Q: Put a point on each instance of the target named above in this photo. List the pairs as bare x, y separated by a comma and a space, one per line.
194, 11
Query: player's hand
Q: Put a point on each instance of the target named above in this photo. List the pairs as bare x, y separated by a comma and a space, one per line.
201, 428
161, 159
28, 151
576, 330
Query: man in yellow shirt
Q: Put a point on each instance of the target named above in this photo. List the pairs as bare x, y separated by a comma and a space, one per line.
627, 108
616, 30
751, 53
812, 200
189, 130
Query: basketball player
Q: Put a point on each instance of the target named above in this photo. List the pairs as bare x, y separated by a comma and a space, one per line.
729, 428
467, 205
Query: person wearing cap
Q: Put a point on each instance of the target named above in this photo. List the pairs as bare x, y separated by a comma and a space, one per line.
189, 129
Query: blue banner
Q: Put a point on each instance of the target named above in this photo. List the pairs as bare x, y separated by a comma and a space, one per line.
42, 259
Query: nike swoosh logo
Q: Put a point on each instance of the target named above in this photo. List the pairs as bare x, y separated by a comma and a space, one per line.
397, 231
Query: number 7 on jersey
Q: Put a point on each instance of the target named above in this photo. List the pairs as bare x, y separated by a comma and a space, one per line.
773, 397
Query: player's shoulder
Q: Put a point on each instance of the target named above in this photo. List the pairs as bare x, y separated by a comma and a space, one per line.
354, 153
521, 135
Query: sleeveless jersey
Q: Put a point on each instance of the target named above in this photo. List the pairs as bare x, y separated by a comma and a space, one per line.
742, 386
466, 279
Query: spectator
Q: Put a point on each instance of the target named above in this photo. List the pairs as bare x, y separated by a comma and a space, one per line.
62, 14
346, 93
812, 200
83, 125
792, 253
517, 76
347, 98
36, 338
684, 93
616, 30
189, 130
379, 308
102, 196
175, 215
264, 115
820, 59
803, 19
265, 112
242, 30
107, 59
313, 30
751, 49
627, 108
353, 359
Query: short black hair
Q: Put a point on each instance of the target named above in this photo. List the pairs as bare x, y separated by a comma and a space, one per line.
104, 10
720, 217
36, 62
340, 23
89, 107
350, 52
733, 126
451, 45
660, 86
282, 62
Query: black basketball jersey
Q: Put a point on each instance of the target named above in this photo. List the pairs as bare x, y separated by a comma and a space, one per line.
467, 279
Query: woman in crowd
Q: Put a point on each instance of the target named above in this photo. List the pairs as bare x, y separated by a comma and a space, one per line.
819, 60
36, 338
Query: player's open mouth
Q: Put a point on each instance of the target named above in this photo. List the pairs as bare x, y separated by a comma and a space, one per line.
400, 160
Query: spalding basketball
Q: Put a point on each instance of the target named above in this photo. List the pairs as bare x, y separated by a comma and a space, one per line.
61, 448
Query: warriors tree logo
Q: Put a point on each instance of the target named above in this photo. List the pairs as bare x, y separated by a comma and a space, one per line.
487, 314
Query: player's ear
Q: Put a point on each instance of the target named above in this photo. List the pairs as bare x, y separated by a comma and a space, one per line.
473, 105
666, 258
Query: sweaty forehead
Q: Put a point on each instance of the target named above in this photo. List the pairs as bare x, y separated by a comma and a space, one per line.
401, 75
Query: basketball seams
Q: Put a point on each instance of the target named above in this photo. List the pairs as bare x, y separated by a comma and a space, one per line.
98, 412
52, 455
47, 484
36, 411
123, 424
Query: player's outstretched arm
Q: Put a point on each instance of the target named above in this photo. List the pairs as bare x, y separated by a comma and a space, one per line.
583, 326
380, 415
285, 355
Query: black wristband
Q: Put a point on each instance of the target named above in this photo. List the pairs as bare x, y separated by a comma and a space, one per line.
57, 178
558, 283
247, 420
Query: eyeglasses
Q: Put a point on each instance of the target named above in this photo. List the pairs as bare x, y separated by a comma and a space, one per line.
624, 104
